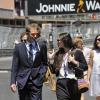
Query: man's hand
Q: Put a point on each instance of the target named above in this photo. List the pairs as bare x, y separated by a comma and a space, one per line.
13, 88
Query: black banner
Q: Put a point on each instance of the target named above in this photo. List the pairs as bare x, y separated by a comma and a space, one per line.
54, 7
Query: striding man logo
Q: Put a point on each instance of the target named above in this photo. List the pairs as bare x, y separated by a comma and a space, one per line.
80, 7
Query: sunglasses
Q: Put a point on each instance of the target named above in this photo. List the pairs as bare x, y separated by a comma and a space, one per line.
34, 34
58, 40
98, 39
24, 40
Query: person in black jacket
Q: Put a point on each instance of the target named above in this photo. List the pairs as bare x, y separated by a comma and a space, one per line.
29, 66
68, 62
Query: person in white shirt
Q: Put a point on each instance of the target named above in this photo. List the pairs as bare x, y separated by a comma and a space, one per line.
65, 64
94, 69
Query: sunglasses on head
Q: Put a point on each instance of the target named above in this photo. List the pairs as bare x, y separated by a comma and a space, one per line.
58, 40
98, 39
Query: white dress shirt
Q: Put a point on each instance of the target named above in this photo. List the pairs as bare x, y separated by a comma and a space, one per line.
64, 68
33, 50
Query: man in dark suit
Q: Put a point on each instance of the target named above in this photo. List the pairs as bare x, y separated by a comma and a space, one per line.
29, 66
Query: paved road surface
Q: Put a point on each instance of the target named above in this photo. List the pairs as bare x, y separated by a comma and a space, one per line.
6, 94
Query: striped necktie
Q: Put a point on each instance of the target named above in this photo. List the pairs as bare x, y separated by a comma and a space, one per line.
31, 54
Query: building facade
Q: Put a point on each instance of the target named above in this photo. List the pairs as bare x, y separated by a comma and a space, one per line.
13, 20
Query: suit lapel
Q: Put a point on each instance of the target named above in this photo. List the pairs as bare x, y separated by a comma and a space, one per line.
25, 54
37, 53
24, 50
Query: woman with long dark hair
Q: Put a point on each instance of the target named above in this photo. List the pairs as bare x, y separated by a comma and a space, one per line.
94, 69
65, 62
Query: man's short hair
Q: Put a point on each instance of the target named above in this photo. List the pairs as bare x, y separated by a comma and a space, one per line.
33, 25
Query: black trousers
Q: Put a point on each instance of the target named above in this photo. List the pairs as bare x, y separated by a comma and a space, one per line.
67, 89
30, 92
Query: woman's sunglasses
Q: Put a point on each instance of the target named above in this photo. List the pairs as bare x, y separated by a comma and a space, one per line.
58, 40
24, 40
98, 39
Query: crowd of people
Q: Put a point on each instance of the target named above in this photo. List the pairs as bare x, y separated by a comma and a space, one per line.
33, 65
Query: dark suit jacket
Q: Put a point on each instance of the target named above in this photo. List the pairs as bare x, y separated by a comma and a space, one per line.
21, 68
82, 64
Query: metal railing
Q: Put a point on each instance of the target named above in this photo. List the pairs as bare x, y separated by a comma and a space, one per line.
6, 52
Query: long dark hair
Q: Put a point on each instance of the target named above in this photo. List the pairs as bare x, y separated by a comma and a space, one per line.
60, 51
95, 47
68, 43
28, 36
67, 40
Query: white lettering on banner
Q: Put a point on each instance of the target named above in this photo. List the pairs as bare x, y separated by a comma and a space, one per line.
51, 8
55, 8
97, 7
72, 7
63, 8
92, 5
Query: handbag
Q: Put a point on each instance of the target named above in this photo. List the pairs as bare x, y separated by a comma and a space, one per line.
83, 85
46, 76
52, 68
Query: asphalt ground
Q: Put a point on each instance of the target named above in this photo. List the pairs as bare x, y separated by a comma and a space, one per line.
5, 92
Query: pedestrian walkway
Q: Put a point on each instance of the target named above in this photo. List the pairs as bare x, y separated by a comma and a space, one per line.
5, 58
5, 63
